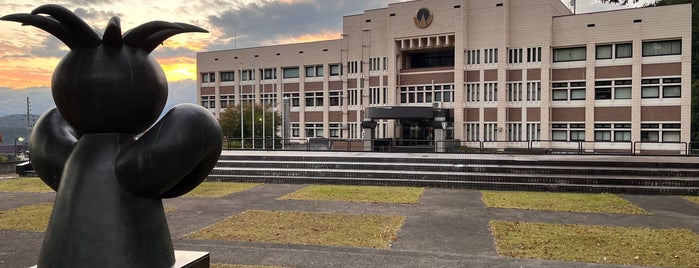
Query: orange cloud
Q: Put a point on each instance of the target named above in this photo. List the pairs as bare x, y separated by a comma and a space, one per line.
325, 35
20, 73
178, 69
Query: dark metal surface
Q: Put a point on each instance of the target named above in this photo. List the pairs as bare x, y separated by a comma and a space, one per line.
108, 210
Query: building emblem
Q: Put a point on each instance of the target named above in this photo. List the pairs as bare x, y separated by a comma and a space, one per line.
423, 18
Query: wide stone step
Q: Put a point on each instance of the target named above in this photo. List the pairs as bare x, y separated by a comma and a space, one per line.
581, 161
570, 173
485, 168
461, 176
519, 186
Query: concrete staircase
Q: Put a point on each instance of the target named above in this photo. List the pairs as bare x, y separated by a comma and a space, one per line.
613, 174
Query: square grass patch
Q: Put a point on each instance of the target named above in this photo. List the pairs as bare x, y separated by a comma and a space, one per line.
307, 228
31, 218
694, 199
597, 244
571, 202
219, 189
29, 185
348, 193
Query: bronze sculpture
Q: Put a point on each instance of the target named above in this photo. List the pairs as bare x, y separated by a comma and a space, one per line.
101, 152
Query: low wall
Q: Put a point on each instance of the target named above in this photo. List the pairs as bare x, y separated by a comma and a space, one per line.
8, 167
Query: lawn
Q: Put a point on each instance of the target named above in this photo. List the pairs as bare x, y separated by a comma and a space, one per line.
597, 244
219, 189
369, 194
32, 185
31, 218
308, 228
572, 202
694, 199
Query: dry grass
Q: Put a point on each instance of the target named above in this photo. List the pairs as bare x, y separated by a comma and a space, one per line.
597, 244
308, 228
572, 202
219, 189
694, 199
369, 194
223, 265
30, 185
31, 218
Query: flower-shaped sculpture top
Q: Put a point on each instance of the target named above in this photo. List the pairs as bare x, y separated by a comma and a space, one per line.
108, 90
112, 78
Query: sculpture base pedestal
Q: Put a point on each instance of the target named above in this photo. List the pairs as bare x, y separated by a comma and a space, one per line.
191, 259
187, 259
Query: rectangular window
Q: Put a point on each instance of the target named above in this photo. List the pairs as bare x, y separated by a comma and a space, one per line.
292, 72
335, 130
577, 135
314, 130
295, 130
533, 91
603, 52
577, 94
310, 71
650, 136
294, 99
674, 91
559, 135
227, 76
671, 136
650, 92
662, 48
622, 135
623, 50
603, 135
335, 69
560, 94
335, 98
569, 54
622, 93
270, 73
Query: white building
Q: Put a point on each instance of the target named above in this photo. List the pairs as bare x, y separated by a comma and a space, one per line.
509, 71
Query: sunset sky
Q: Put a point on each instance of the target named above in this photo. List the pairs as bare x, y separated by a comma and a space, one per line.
29, 55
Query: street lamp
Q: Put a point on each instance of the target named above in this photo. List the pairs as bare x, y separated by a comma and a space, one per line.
20, 139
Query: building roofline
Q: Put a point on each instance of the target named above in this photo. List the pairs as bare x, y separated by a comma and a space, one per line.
620, 10
270, 46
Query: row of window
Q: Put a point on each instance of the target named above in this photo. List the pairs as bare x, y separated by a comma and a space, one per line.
315, 130
618, 89
561, 91
427, 94
378, 64
621, 50
378, 95
608, 132
271, 73
490, 55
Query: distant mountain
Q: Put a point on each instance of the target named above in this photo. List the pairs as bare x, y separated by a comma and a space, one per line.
14, 126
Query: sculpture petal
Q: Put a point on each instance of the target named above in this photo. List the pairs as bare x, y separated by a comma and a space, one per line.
52, 142
80, 31
47, 24
174, 156
136, 37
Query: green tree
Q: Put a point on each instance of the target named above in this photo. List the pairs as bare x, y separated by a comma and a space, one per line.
695, 55
230, 125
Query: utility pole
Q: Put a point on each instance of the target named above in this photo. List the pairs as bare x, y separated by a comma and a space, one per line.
29, 119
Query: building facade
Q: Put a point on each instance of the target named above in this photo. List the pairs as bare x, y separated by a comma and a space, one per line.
502, 74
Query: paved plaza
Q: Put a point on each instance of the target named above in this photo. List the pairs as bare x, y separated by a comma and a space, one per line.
447, 228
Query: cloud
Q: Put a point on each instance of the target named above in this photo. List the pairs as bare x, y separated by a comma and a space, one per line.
15, 101
263, 22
